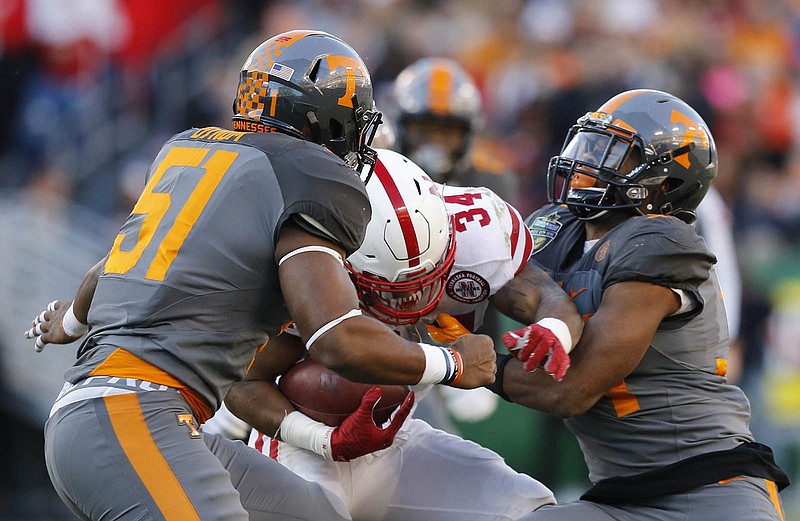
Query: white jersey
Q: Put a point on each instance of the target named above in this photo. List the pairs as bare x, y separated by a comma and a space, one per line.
403, 482
492, 246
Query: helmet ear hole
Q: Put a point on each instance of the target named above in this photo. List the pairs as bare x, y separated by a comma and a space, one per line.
312, 74
313, 127
335, 128
671, 184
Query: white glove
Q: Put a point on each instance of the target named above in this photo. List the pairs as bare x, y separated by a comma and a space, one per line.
224, 422
468, 405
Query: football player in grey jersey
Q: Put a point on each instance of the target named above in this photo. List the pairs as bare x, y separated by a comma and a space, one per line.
664, 435
236, 232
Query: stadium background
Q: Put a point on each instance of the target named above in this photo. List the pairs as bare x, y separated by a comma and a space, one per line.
89, 89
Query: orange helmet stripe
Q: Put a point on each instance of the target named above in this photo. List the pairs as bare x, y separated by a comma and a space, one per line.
265, 57
614, 103
624, 125
439, 91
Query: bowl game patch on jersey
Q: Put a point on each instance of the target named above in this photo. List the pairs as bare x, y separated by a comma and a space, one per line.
467, 287
544, 229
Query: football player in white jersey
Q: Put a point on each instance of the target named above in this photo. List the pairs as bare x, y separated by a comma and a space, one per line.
433, 259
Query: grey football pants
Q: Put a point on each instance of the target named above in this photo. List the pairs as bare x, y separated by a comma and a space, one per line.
753, 499
138, 456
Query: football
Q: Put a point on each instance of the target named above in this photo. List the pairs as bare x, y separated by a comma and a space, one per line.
328, 397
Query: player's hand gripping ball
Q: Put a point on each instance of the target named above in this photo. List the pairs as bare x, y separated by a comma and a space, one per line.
328, 397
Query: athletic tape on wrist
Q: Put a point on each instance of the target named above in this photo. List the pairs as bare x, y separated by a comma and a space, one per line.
301, 431
560, 330
71, 325
442, 365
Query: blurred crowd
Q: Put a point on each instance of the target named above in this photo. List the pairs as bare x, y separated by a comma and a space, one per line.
90, 88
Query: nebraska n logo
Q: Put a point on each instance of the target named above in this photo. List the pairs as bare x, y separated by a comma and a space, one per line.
544, 230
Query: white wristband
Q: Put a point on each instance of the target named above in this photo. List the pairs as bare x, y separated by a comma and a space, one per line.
301, 431
560, 330
71, 325
442, 365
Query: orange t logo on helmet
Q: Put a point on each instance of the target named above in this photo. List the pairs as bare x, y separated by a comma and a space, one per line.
351, 65
692, 130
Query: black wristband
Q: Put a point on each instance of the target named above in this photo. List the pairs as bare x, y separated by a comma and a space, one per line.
497, 386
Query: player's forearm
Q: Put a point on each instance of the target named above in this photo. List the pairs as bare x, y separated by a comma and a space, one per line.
260, 404
85, 293
532, 295
353, 348
555, 303
539, 391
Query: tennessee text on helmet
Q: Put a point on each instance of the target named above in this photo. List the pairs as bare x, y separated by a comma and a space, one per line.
644, 150
314, 86
409, 247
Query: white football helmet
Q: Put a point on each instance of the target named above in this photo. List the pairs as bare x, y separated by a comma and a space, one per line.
409, 248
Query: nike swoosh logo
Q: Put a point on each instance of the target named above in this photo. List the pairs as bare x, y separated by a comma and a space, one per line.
572, 293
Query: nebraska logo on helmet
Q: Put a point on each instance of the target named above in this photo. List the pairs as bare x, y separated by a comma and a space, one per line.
467, 287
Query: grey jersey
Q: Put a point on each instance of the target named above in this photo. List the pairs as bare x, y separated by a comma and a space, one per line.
191, 285
676, 404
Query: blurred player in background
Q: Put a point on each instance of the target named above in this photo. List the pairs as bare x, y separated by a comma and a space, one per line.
433, 259
236, 232
437, 114
437, 111
714, 224
663, 433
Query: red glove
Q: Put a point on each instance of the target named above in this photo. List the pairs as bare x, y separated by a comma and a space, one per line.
536, 343
358, 435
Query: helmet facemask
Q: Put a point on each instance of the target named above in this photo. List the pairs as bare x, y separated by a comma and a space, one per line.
407, 300
593, 173
437, 145
604, 166
364, 156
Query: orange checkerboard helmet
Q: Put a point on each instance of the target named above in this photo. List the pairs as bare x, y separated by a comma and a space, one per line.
314, 86
438, 109
644, 150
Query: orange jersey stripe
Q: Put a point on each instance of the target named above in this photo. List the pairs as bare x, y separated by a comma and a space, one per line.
124, 364
722, 366
624, 402
726, 481
154, 471
773, 495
